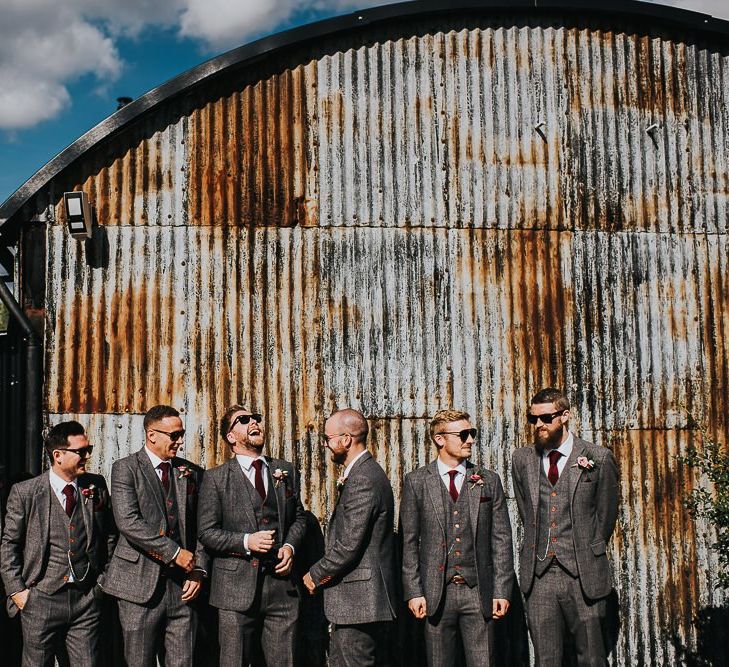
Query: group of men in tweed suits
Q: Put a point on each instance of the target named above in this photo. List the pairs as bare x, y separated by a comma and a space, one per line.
241, 524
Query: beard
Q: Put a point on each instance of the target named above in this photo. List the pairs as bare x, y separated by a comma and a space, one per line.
550, 440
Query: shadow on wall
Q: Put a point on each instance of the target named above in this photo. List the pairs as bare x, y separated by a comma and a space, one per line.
712, 625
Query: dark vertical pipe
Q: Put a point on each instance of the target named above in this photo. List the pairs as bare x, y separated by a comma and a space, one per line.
33, 381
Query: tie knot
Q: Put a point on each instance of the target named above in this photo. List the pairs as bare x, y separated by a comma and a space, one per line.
68, 491
164, 466
453, 473
258, 464
554, 456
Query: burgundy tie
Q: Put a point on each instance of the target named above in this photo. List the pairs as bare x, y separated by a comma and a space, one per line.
70, 498
553, 474
258, 464
452, 488
165, 469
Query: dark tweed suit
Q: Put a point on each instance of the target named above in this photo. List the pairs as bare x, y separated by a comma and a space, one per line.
71, 612
243, 586
147, 587
593, 507
358, 570
424, 517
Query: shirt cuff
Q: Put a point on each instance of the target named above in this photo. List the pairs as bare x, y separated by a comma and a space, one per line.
245, 544
291, 546
175, 556
201, 571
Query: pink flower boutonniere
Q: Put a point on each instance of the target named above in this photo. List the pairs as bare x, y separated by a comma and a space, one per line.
584, 463
476, 480
340, 483
279, 476
90, 493
184, 471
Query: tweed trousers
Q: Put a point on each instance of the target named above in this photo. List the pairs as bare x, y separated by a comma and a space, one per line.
164, 626
360, 645
71, 614
460, 610
556, 603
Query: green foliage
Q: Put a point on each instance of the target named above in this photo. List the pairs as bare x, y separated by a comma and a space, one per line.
711, 460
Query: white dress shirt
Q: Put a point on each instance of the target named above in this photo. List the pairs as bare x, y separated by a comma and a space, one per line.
443, 471
565, 449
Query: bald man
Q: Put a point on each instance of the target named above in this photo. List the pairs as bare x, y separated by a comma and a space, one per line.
357, 571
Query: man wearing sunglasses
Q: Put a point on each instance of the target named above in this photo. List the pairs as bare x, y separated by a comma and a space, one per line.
58, 535
458, 566
357, 572
253, 523
158, 564
567, 493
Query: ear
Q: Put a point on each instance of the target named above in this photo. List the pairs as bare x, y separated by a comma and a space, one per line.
230, 439
437, 441
565, 417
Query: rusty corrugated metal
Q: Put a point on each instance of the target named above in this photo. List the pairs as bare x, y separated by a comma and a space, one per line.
453, 218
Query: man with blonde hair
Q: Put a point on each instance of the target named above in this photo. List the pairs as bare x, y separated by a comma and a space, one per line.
457, 560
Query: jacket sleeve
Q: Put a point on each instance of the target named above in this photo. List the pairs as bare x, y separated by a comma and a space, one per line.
13, 541
129, 517
607, 495
202, 558
410, 528
354, 519
501, 545
211, 533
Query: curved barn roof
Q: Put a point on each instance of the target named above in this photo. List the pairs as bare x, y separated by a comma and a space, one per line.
331, 28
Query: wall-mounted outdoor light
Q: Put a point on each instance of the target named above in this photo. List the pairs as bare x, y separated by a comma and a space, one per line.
78, 214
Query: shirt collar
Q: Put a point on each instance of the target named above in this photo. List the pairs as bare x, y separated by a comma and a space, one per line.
565, 448
156, 460
246, 461
58, 483
352, 462
443, 469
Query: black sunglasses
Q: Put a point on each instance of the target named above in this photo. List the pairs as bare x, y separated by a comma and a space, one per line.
463, 435
244, 419
81, 451
546, 418
172, 435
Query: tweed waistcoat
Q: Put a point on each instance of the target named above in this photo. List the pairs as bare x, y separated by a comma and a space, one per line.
171, 509
461, 558
266, 512
555, 524
67, 538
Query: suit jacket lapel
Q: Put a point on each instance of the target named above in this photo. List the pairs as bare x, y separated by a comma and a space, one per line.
278, 489
43, 493
533, 474
179, 484
145, 465
474, 497
433, 483
239, 480
574, 472
87, 512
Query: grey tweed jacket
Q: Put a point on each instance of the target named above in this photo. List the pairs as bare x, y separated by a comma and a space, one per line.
423, 524
226, 513
593, 508
143, 548
25, 542
358, 571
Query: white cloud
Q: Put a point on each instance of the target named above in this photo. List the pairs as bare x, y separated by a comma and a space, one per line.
45, 44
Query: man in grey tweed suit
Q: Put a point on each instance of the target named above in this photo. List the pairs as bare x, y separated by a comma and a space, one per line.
357, 571
158, 566
252, 522
458, 564
567, 493
58, 534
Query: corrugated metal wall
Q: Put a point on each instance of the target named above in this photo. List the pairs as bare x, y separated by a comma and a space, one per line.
401, 224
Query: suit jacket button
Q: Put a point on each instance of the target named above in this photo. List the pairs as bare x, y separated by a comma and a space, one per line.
265, 521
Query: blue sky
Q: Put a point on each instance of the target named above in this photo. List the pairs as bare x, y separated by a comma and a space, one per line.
62, 65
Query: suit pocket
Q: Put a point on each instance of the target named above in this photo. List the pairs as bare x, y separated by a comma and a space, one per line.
598, 548
360, 574
126, 553
225, 564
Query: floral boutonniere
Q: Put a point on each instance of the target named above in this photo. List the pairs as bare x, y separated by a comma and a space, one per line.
475, 480
91, 492
340, 483
584, 463
184, 471
279, 476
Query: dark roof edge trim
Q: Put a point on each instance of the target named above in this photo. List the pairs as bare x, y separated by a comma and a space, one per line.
329, 27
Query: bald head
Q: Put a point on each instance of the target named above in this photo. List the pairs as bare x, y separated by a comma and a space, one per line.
352, 422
